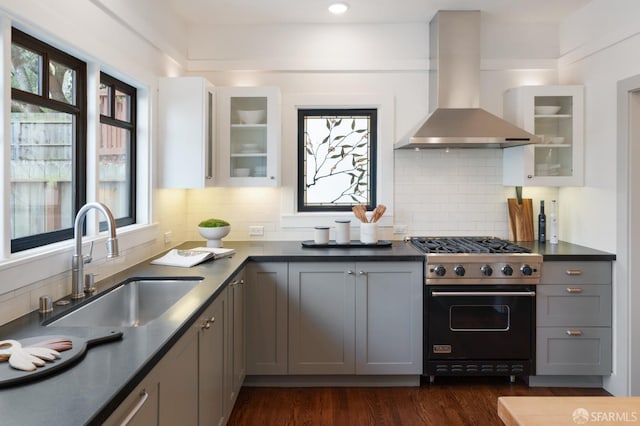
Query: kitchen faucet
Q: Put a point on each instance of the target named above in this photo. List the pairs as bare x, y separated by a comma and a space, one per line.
78, 260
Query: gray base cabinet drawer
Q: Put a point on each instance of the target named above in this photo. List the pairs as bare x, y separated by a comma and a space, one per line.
571, 273
140, 408
573, 305
573, 351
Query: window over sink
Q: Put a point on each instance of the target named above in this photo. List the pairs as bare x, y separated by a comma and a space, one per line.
117, 149
48, 142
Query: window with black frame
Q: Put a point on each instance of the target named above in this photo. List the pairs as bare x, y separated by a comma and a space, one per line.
336, 159
48, 142
117, 149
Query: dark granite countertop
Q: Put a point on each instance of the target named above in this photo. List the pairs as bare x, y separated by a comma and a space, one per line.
89, 390
564, 251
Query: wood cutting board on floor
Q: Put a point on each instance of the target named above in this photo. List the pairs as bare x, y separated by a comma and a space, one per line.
520, 219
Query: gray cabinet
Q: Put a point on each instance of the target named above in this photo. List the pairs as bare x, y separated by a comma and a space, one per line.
321, 318
573, 319
211, 363
355, 318
168, 395
389, 318
266, 315
140, 408
178, 371
187, 386
235, 366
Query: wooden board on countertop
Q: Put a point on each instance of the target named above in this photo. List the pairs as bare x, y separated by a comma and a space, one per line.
10, 376
520, 219
568, 410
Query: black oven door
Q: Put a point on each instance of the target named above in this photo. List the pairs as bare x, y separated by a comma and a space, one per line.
480, 322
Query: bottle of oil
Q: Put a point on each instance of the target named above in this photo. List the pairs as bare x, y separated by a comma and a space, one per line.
542, 224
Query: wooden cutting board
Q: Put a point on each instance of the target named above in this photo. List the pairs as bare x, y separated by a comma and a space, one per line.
520, 219
10, 376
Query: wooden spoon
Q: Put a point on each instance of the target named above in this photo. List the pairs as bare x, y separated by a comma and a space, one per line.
359, 211
378, 212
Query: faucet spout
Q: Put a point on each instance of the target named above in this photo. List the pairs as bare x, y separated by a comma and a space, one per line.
78, 260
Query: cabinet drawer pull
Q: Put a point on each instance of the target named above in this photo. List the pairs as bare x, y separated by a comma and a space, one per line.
349, 272
362, 273
143, 398
573, 272
207, 323
574, 290
574, 332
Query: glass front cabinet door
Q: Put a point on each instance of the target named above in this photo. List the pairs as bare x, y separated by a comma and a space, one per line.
556, 115
249, 131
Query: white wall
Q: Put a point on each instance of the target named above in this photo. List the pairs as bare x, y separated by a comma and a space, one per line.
598, 53
435, 193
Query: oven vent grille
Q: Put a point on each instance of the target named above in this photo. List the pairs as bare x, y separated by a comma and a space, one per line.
479, 368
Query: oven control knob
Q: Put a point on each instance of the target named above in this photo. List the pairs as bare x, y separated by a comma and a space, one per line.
486, 270
526, 270
459, 270
439, 270
507, 270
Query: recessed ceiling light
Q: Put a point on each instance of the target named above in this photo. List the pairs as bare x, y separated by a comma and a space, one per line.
338, 8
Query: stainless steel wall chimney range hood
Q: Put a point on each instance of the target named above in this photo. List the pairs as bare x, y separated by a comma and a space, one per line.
454, 88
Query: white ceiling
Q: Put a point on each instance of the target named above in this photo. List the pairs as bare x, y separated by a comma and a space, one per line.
205, 12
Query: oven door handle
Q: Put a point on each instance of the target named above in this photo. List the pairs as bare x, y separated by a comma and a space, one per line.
482, 293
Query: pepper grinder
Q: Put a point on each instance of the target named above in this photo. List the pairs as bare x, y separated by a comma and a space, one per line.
553, 224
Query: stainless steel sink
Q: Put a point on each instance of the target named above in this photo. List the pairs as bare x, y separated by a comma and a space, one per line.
133, 303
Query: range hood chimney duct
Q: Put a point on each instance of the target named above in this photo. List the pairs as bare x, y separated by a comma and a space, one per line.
454, 89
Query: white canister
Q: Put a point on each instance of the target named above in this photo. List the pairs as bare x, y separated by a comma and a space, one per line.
369, 233
321, 235
343, 231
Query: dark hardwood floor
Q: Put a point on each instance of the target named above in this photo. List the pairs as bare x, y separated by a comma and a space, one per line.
449, 401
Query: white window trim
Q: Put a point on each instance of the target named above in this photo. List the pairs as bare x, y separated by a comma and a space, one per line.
384, 103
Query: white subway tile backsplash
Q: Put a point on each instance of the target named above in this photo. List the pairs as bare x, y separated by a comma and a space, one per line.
459, 192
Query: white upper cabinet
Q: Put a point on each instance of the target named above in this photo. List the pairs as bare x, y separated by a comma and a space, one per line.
186, 131
555, 114
249, 136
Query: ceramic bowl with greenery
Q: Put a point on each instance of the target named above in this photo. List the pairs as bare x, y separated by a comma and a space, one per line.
214, 230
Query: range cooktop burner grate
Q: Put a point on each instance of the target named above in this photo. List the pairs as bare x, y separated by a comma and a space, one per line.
466, 245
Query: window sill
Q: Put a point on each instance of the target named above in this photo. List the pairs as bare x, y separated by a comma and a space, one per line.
309, 220
19, 271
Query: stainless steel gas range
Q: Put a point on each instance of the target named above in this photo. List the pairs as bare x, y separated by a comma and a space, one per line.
479, 306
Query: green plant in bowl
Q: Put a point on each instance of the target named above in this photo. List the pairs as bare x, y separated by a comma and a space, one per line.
214, 230
213, 223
